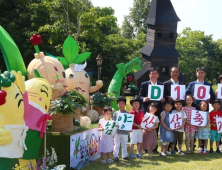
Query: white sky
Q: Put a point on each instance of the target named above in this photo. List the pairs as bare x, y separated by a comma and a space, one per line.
203, 15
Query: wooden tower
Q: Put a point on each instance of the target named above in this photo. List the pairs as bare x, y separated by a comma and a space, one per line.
161, 37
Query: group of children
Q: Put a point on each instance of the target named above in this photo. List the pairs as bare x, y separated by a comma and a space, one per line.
146, 139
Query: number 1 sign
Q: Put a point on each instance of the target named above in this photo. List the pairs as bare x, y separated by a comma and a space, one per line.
219, 91
178, 92
201, 92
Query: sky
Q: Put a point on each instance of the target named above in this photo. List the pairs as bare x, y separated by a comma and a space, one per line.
203, 15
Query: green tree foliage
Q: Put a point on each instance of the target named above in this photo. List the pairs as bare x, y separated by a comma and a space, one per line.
135, 22
197, 49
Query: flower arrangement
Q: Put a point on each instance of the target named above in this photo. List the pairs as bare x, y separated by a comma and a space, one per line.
47, 163
102, 99
68, 102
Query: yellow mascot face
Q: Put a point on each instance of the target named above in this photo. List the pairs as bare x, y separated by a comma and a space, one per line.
39, 92
13, 108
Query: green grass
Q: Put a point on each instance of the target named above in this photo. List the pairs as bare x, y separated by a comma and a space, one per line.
194, 161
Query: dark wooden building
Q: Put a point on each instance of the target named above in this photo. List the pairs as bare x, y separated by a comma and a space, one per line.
161, 38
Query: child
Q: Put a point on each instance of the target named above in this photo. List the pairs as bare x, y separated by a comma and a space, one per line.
178, 133
166, 134
149, 134
106, 142
136, 136
203, 132
121, 136
216, 113
189, 129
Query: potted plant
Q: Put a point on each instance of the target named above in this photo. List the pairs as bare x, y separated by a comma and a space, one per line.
76, 124
100, 100
63, 110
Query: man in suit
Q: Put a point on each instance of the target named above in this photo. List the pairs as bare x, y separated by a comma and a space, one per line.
143, 94
174, 73
200, 73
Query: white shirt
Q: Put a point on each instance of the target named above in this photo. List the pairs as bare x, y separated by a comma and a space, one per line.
200, 83
175, 83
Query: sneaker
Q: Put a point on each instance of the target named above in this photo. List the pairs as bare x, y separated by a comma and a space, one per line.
162, 154
116, 159
167, 153
173, 153
200, 150
218, 151
139, 156
181, 152
150, 155
126, 158
132, 156
211, 150
205, 151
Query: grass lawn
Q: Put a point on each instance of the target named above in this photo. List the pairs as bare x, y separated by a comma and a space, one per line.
194, 161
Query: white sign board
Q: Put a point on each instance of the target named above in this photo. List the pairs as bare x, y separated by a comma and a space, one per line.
178, 92
148, 121
125, 121
219, 124
84, 148
175, 120
219, 91
198, 118
110, 128
201, 92
155, 92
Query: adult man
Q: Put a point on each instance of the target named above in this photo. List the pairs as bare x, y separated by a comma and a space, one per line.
200, 73
143, 94
174, 72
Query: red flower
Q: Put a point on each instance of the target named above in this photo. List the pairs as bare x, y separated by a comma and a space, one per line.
129, 78
36, 39
65, 93
56, 68
83, 91
98, 92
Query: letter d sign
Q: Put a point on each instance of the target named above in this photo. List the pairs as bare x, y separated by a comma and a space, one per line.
155, 92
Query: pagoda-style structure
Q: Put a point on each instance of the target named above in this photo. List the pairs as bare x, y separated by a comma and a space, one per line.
161, 38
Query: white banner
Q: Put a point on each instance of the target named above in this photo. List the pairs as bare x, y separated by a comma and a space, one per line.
84, 148
219, 91
110, 128
155, 92
198, 118
148, 121
175, 120
178, 92
125, 121
219, 125
201, 92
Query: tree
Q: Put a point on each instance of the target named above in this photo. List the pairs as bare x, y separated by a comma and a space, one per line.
197, 49
135, 22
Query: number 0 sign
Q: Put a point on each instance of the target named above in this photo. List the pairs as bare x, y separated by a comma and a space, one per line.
201, 92
219, 91
178, 92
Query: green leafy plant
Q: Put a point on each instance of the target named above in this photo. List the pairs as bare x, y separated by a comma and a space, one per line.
102, 99
76, 122
68, 102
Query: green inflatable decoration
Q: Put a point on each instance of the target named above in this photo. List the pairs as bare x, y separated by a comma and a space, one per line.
70, 50
11, 53
123, 70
